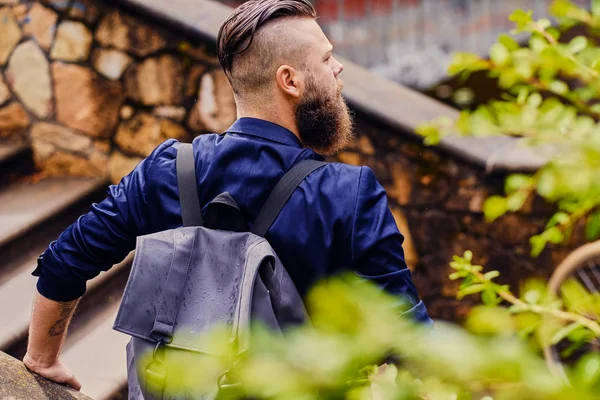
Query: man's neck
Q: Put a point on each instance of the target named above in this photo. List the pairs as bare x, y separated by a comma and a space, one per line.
277, 118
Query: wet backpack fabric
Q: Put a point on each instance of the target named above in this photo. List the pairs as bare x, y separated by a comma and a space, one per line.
211, 271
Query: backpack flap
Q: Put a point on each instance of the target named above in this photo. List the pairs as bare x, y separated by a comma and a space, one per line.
185, 281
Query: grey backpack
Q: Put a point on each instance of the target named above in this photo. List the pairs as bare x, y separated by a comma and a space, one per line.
210, 272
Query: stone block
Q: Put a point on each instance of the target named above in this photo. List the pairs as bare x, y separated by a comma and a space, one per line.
110, 63
85, 10
4, 91
19, 383
141, 134
40, 25
214, 110
11, 34
86, 101
128, 34
73, 41
120, 165
156, 81
13, 120
403, 176
61, 138
29, 78
410, 253
171, 112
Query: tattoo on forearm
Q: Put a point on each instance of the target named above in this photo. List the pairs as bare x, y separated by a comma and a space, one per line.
63, 320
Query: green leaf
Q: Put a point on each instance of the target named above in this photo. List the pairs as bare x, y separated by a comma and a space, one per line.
515, 201
558, 219
490, 298
595, 108
475, 288
592, 227
544, 23
521, 18
468, 255
499, 54
491, 275
494, 207
532, 296
587, 370
486, 320
538, 244
564, 332
534, 100
515, 182
559, 87
577, 44
595, 8
508, 41
554, 235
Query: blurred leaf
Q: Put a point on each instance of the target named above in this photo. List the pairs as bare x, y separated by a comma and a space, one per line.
521, 18
494, 207
592, 227
486, 320
595, 7
564, 332
515, 182
508, 41
578, 44
499, 54
515, 201
472, 289
587, 370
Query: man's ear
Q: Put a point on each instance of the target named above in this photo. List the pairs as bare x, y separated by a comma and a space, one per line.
290, 81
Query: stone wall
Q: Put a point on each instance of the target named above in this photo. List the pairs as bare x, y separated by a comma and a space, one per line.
95, 90
437, 201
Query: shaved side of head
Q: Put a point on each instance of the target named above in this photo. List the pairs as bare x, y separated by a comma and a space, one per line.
259, 37
277, 43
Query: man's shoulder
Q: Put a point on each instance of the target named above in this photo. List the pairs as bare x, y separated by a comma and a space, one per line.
338, 178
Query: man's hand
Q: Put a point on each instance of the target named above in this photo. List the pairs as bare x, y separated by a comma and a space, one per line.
57, 372
49, 322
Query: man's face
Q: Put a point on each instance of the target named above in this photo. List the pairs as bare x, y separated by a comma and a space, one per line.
322, 116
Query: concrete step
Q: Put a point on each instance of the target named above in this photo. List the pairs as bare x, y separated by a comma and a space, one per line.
98, 359
24, 206
10, 151
17, 294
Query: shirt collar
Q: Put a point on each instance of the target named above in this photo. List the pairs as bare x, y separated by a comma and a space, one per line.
265, 130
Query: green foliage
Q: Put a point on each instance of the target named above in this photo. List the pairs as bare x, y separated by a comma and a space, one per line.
356, 327
551, 100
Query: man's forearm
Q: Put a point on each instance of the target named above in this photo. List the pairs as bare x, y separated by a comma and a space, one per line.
47, 330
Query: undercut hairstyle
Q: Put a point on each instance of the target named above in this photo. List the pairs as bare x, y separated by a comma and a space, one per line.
247, 54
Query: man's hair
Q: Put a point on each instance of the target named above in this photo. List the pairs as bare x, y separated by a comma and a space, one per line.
239, 31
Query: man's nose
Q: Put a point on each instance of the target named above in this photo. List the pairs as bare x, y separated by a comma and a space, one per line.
337, 67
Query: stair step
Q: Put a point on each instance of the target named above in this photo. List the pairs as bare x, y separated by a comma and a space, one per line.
9, 151
26, 205
98, 359
17, 294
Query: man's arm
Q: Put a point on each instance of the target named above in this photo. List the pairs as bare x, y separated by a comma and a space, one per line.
98, 240
377, 252
47, 331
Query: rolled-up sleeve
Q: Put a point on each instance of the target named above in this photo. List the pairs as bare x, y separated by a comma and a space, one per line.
377, 245
100, 238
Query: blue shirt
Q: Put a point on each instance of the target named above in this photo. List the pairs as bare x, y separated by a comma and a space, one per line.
337, 219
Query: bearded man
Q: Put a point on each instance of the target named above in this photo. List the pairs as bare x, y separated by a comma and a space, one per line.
288, 93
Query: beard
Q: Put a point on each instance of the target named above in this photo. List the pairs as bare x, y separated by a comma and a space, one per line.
323, 119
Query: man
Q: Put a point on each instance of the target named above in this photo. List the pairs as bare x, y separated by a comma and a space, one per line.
290, 108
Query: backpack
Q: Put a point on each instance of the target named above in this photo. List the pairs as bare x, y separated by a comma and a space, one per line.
211, 271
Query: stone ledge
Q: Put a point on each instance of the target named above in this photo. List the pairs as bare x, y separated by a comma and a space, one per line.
389, 102
16, 382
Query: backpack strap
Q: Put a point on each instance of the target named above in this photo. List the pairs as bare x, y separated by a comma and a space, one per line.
191, 212
282, 193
